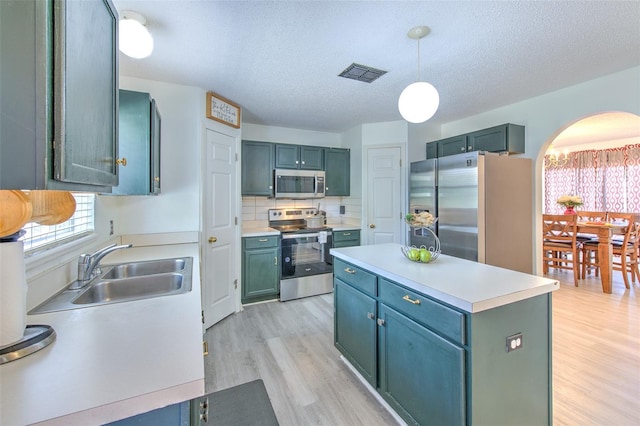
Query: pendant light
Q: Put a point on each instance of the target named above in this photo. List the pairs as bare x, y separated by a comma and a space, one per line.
135, 39
418, 101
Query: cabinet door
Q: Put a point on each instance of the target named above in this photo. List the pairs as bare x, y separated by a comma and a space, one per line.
257, 168
337, 172
421, 374
260, 279
287, 156
156, 126
355, 329
432, 150
346, 238
85, 92
311, 157
135, 143
452, 146
503, 138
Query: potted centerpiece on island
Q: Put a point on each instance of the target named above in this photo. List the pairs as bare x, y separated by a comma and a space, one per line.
422, 254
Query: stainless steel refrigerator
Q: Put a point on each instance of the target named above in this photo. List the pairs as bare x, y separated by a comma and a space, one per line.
484, 205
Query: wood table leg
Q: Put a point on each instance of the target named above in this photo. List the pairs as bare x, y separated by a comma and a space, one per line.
605, 256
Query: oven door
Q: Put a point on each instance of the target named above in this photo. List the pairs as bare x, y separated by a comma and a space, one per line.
306, 254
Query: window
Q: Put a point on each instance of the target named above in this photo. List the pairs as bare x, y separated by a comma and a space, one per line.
81, 223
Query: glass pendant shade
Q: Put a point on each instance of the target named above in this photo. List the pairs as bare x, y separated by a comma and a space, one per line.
135, 40
418, 102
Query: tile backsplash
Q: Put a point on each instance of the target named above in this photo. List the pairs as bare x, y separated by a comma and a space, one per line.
255, 209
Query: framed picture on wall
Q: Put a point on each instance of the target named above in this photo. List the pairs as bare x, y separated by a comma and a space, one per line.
223, 110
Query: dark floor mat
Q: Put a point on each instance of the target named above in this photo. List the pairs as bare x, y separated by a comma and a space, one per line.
247, 404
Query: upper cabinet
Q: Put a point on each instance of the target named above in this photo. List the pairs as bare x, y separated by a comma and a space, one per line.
59, 80
139, 140
299, 157
504, 138
337, 167
257, 168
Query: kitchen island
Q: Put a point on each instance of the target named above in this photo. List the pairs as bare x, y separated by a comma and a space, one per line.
448, 342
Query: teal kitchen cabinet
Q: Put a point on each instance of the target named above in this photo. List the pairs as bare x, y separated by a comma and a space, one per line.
299, 157
435, 364
503, 138
337, 168
260, 268
346, 238
454, 145
140, 131
421, 373
59, 79
257, 168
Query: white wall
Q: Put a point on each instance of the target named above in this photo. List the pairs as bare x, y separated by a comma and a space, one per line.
177, 208
257, 132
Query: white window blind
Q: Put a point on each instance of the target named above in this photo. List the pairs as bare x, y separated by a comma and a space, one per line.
81, 223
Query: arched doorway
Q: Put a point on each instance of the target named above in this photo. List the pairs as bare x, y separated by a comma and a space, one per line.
594, 132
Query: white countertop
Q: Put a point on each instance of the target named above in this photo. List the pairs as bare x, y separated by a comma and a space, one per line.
470, 286
112, 361
258, 231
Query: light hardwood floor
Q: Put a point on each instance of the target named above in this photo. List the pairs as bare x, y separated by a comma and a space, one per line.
596, 359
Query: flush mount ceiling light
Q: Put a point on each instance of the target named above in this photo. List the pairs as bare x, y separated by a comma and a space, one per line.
135, 39
418, 101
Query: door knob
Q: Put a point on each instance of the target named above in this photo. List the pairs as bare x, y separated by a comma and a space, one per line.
372, 226
212, 239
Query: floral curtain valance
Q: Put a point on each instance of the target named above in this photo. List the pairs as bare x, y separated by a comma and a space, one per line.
607, 180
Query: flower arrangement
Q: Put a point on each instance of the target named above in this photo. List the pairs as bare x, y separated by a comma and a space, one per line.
570, 200
420, 220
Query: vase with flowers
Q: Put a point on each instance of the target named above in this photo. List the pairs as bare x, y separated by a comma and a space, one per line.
570, 202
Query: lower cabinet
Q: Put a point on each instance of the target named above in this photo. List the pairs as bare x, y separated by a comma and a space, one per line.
421, 374
437, 365
260, 268
346, 238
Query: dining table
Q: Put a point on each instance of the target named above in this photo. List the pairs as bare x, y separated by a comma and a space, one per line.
605, 232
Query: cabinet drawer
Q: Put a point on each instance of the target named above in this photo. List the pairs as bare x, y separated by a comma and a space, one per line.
260, 242
434, 315
351, 236
359, 278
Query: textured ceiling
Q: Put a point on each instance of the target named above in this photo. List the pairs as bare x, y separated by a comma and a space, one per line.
280, 60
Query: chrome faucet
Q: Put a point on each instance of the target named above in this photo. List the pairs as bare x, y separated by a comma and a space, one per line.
88, 265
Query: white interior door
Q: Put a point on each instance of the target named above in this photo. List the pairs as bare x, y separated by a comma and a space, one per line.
219, 240
384, 195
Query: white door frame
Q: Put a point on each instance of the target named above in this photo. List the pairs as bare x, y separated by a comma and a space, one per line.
236, 268
365, 190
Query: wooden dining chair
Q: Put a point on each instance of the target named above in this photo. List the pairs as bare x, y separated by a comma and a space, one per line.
559, 244
625, 249
589, 216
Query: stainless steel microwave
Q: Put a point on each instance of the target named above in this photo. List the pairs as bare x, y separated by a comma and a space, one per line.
299, 183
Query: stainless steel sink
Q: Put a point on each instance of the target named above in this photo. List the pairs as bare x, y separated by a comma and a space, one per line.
138, 269
126, 282
131, 289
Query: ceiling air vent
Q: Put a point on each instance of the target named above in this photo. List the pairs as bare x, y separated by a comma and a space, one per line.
361, 73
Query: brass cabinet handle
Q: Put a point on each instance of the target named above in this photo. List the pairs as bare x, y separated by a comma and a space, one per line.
212, 239
410, 300
263, 240
350, 271
370, 315
346, 234
276, 260
156, 179
121, 161
372, 226
205, 348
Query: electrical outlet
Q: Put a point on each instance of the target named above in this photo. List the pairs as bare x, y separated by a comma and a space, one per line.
514, 342
111, 227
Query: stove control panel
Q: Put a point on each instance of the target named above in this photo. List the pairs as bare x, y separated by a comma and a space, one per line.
291, 213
